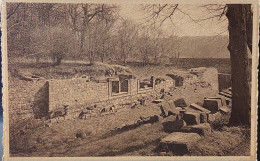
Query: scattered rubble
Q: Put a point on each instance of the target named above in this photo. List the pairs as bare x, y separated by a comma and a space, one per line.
198, 107
187, 124
191, 118
212, 104
180, 103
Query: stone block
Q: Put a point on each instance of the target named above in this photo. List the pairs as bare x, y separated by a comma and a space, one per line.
228, 101
204, 117
150, 119
212, 104
199, 108
171, 104
157, 101
180, 103
201, 129
182, 110
225, 94
227, 91
179, 143
165, 107
222, 98
174, 112
225, 110
191, 118
214, 117
172, 124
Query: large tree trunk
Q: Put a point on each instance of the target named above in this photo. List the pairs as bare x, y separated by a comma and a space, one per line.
237, 16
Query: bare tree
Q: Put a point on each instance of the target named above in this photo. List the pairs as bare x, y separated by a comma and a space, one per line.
145, 46
83, 14
240, 38
55, 43
12, 9
127, 36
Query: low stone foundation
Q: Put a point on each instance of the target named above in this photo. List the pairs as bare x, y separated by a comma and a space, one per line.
44, 96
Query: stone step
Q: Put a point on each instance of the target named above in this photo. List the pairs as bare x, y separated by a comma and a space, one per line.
179, 143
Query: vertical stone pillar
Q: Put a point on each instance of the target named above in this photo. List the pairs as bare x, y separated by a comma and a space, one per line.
109, 84
138, 85
152, 81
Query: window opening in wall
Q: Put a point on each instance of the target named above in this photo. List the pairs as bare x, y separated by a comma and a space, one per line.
115, 86
124, 85
146, 83
120, 86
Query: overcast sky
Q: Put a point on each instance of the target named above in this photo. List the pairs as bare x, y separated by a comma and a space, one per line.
182, 25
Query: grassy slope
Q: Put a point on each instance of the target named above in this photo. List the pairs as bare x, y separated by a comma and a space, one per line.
58, 139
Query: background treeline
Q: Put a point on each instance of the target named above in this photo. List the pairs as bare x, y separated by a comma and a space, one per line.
93, 32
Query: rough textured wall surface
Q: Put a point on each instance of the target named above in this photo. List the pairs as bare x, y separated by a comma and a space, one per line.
206, 77
76, 91
167, 85
24, 98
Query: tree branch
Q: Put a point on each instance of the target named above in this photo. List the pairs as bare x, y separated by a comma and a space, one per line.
13, 11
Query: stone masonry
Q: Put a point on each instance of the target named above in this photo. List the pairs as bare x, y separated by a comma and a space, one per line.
43, 96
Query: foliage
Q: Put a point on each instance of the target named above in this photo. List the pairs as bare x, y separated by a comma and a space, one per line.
91, 32
55, 43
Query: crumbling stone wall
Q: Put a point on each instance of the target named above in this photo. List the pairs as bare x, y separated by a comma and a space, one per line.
207, 77
36, 98
24, 98
167, 85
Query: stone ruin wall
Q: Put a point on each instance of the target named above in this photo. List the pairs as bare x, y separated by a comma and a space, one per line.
80, 92
77, 91
30, 96
23, 96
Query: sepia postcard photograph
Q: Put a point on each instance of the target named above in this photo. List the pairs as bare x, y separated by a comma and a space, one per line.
130, 80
